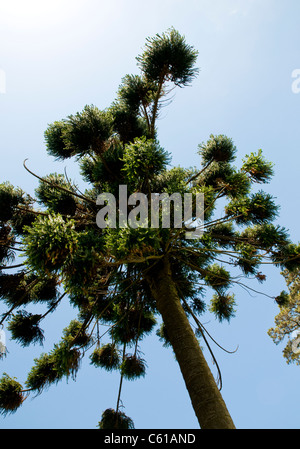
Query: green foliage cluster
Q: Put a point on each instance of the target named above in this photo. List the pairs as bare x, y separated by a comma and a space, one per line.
11, 396
112, 419
54, 194
63, 361
168, 56
49, 243
104, 272
133, 367
80, 134
143, 160
257, 167
24, 328
106, 356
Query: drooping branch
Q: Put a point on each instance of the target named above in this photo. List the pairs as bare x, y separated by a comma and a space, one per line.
56, 186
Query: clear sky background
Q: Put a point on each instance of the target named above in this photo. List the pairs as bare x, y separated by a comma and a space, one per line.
58, 56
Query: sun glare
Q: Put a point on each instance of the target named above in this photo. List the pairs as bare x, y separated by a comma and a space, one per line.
38, 12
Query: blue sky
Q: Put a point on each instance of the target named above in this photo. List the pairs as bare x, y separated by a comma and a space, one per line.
59, 56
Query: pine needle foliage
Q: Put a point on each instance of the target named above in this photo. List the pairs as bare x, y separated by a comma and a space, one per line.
9, 198
62, 361
42, 374
223, 306
257, 167
106, 356
54, 239
75, 334
112, 419
11, 396
24, 328
55, 199
133, 367
168, 56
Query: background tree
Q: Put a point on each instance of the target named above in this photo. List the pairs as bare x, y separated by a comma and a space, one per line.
127, 277
287, 322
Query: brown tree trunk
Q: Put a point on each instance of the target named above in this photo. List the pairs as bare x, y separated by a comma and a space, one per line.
205, 396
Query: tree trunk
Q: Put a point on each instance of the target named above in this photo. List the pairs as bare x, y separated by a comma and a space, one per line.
205, 396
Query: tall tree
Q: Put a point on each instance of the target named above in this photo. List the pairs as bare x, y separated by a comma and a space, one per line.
129, 276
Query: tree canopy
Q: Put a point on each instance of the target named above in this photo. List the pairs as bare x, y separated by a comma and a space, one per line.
109, 274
